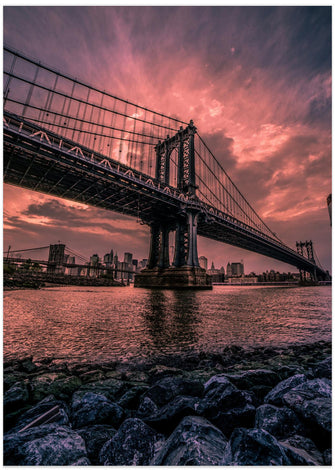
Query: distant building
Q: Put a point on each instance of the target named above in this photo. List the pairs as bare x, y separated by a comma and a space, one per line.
142, 264
128, 258
237, 269
203, 261
229, 270
329, 204
109, 259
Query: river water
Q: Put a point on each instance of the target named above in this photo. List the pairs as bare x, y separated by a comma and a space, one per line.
86, 324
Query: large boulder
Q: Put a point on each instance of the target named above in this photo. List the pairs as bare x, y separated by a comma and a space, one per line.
302, 450
254, 447
16, 396
275, 396
133, 444
93, 408
57, 384
131, 399
226, 406
167, 418
111, 388
49, 409
246, 380
311, 401
280, 422
194, 442
324, 369
168, 388
49, 444
146, 408
95, 437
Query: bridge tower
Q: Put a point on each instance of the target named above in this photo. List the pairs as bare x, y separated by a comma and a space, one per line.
185, 270
308, 246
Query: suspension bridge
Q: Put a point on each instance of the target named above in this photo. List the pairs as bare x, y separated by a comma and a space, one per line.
67, 138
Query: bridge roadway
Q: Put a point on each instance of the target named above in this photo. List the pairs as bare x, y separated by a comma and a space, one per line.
40, 160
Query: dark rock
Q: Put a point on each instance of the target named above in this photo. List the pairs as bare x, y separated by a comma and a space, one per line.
303, 446
194, 442
57, 384
133, 444
27, 365
11, 379
147, 407
95, 437
93, 408
160, 371
47, 404
167, 418
275, 397
324, 369
254, 447
327, 457
44, 445
226, 406
131, 398
311, 401
92, 376
245, 380
284, 372
112, 389
16, 396
168, 388
280, 422
81, 462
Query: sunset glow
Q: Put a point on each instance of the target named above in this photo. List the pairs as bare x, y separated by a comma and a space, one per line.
255, 80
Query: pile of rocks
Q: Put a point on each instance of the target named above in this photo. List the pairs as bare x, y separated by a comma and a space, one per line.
167, 417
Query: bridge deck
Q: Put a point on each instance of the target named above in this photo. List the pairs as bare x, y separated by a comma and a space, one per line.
44, 162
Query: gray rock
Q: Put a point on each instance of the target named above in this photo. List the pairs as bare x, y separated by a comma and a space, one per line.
254, 447
324, 369
226, 406
280, 422
168, 388
16, 396
92, 408
95, 437
275, 396
44, 445
312, 402
304, 448
83, 461
147, 407
194, 442
112, 389
167, 418
327, 457
133, 444
245, 380
131, 398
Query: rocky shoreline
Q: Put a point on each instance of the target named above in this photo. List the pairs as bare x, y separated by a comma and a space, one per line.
262, 406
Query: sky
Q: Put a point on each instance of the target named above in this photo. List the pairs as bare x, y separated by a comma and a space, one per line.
255, 80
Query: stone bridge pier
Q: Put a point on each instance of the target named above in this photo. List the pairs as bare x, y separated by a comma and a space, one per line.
184, 272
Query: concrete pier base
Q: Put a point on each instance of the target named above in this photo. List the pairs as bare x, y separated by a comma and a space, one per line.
185, 277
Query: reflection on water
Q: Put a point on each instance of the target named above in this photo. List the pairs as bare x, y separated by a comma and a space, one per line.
101, 324
171, 318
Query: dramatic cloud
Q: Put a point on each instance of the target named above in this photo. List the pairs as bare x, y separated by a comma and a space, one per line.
256, 81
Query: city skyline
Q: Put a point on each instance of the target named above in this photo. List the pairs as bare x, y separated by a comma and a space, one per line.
261, 100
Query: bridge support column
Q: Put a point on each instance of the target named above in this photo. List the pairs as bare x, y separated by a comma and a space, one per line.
164, 261
192, 257
179, 253
154, 246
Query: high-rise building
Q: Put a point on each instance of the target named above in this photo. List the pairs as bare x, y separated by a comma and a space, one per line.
203, 261
229, 270
128, 258
237, 269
